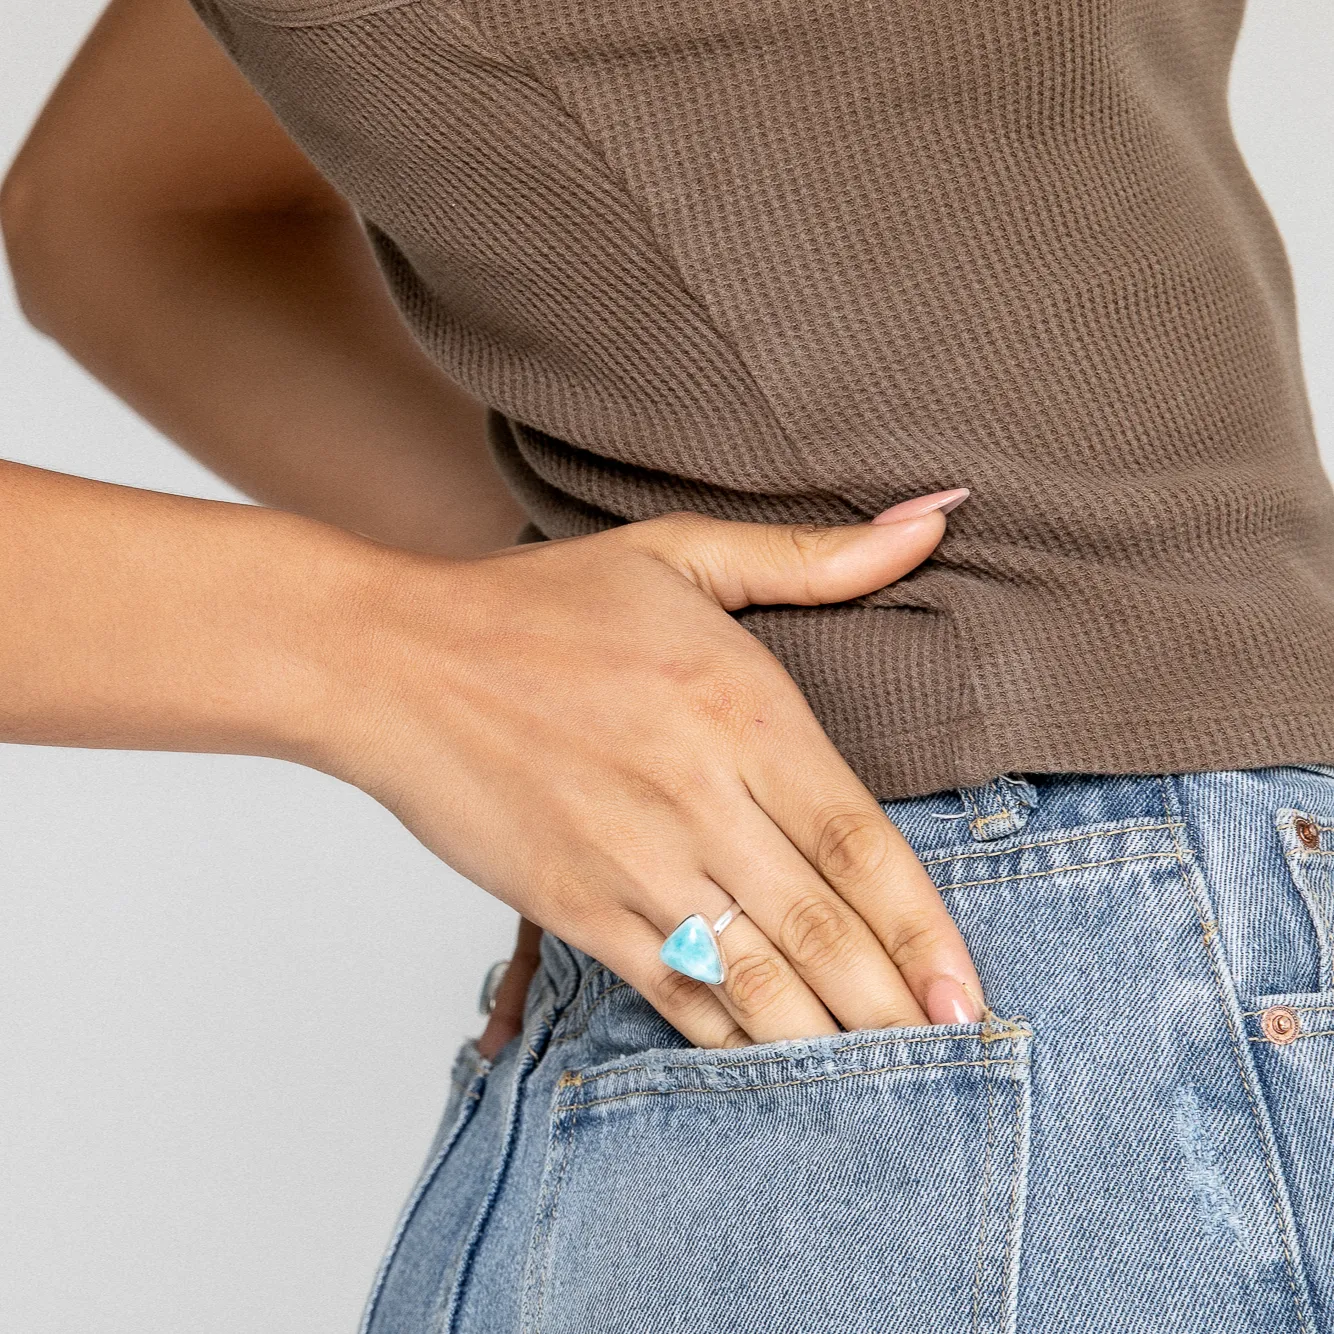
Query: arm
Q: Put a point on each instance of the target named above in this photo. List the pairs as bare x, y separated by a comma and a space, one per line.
607, 762
605, 801
165, 230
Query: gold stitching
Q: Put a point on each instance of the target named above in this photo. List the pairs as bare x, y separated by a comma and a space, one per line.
794, 1083
986, 1191
1045, 843
781, 1057
1318, 1033
1020, 1093
1057, 870
1301, 1009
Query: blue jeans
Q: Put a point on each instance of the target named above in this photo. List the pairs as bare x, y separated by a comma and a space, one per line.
1141, 1140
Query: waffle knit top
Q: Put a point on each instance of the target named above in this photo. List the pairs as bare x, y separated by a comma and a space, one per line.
797, 260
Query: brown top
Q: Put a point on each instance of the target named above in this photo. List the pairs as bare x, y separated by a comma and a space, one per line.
801, 259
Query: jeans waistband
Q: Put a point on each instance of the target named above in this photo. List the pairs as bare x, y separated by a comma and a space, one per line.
1226, 818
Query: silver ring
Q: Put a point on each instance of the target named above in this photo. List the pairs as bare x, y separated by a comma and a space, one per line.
693, 947
486, 999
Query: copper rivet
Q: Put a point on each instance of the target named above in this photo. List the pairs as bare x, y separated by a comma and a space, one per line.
1280, 1024
1308, 831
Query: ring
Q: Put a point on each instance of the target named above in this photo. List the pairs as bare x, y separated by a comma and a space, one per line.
692, 948
486, 1000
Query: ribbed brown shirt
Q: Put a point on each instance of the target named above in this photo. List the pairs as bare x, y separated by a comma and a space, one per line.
800, 259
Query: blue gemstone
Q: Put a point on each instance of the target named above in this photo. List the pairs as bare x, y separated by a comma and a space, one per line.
692, 949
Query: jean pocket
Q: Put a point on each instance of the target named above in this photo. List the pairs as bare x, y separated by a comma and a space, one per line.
869, 1180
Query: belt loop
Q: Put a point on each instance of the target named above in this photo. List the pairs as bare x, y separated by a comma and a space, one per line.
999, 808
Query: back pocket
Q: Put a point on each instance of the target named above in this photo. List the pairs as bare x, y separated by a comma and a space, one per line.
866, 1181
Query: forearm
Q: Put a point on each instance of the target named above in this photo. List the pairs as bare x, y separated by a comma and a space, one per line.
266, 346
146, 621
164, 229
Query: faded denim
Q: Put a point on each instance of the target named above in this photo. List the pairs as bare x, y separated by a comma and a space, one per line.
1135, 1143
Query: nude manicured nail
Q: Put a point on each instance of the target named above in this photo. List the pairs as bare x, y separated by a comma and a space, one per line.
948, 1003
944, 501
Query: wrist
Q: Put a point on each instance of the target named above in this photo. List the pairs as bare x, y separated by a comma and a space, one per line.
361, 606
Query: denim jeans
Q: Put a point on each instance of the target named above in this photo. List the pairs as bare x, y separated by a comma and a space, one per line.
1141, 1139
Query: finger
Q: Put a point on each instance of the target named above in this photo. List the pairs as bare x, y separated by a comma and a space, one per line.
829, 944
689, 1006
742, 563
840, 828
760, 988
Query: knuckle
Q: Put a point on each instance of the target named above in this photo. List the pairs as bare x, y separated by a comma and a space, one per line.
817, 932
673, 993
559, 887
849, 844
754, 982
811, 539
726, 699
664, 780
811, 543
913, 937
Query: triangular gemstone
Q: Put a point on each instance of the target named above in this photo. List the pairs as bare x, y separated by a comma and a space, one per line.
692, 949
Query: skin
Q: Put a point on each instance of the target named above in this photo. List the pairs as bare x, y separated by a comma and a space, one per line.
162, 227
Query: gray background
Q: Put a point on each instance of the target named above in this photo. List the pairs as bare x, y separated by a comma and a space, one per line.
231, 987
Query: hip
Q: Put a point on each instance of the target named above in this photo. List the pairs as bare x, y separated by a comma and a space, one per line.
1136, 1141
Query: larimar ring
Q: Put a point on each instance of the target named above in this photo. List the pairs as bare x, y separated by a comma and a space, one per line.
693, 949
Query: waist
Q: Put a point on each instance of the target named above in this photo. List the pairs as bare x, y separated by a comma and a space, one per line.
1260, 842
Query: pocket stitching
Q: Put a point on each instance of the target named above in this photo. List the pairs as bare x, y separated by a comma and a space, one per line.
986, 1192
1057, 870
1013, 1061
1106, 831
536, 1284
1013, 1031
541, 1256
1012, 1230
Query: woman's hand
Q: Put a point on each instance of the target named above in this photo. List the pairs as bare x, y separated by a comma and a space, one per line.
580, 728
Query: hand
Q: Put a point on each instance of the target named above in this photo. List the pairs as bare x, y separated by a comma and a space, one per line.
579, 727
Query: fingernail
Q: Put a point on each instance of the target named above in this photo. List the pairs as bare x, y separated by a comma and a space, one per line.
948, 1002
944, 501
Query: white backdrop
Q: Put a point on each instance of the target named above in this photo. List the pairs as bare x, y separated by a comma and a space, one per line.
230, 988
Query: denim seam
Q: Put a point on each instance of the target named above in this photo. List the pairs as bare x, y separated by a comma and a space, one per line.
986, 1192
1057, 870
1299, 1009
793, 1083
1318, 1033
567, 1153
1003, 1036
978, 821
540, 1257
1047, 843
472, 1097
1212, 947
1019, 1171
448, 1308
587, 1015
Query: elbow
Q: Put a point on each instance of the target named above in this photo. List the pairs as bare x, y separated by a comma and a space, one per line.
33, 225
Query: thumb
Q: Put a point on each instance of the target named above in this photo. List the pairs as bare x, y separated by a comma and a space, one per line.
742, 563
